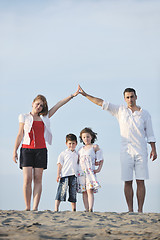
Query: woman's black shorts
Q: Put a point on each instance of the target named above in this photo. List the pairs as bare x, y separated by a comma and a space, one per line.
36, 158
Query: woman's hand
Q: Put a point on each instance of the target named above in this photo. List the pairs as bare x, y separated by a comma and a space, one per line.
18, 141
76, 93
15, 157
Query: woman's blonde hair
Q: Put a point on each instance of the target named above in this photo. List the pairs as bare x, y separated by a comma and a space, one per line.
44, 111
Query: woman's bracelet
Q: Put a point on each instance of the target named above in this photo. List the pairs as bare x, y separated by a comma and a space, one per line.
72, 96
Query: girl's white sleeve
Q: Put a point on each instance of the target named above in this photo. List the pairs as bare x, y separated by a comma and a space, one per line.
99, 155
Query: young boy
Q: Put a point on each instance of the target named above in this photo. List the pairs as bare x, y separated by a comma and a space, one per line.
67, 172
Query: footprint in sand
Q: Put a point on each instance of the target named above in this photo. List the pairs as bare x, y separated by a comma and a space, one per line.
9, 221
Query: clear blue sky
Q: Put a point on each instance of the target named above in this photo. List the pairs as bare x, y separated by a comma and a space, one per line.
48, 47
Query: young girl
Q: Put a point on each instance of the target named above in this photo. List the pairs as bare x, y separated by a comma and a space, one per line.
89, 156
34, 129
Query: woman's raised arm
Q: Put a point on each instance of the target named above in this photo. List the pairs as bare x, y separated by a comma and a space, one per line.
61, 103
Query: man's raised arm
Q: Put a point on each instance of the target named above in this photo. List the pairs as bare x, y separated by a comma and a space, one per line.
95, 100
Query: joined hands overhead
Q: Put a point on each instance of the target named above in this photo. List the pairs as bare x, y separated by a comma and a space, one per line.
81, 91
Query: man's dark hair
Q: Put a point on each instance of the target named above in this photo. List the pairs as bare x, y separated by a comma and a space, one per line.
129, 90
71, 137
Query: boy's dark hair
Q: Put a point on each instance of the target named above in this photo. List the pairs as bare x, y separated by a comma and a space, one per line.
71, 137
88, 130
129, 90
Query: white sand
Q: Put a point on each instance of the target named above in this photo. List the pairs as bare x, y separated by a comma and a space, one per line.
78, 225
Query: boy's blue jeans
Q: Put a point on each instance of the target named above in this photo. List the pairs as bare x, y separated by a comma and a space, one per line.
65, 182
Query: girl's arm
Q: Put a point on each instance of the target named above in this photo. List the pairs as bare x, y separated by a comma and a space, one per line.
61, 103
96, 148
18, 142
98, 163
59, 172
99, 167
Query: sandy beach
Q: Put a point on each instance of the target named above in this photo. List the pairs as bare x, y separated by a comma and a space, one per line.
78, 225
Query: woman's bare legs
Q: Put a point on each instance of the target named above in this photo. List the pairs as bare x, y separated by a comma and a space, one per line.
27, 186
37, 177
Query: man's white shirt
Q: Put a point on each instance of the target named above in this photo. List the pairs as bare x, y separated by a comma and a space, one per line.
135, 128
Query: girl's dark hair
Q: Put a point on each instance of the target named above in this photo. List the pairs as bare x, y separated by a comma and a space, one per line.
88, 130
44, 111
71, 137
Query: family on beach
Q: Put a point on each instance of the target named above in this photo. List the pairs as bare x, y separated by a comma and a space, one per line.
77, 170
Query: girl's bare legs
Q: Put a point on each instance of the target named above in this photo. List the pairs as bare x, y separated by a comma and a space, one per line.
90, 199
85, 201
27, 186
37, 174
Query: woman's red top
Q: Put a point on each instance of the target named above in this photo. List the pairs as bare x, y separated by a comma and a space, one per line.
36, 136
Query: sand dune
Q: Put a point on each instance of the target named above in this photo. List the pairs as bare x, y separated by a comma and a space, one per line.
78, 225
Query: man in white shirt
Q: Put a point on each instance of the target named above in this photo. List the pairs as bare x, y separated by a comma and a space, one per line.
135, 127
